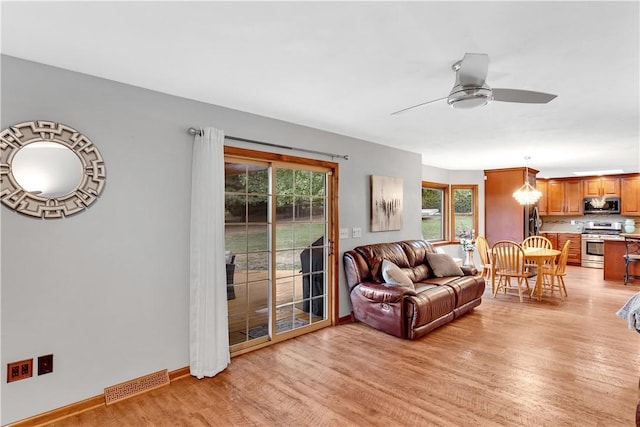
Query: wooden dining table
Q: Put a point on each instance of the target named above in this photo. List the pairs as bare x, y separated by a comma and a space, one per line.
540, 256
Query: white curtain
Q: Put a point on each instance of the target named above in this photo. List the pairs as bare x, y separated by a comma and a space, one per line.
208, 329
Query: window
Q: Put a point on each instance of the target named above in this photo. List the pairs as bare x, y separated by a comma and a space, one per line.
434, 211
449, 220
464, 218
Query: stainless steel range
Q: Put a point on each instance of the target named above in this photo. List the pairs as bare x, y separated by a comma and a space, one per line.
593, 236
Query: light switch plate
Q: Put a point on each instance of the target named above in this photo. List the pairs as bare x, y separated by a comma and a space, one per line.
344, 233
357, 232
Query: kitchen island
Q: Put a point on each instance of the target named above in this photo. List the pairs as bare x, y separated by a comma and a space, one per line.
614, 251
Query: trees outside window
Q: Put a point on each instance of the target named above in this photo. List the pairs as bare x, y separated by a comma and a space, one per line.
449, 212
435, 204
464, 217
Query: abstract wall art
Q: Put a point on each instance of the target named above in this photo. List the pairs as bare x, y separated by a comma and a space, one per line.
386, 203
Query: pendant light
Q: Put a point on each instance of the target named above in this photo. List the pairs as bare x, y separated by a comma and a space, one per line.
527, 195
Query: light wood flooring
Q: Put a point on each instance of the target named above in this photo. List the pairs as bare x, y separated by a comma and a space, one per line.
536, 363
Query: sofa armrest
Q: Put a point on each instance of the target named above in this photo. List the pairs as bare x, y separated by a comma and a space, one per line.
381, 293
469, 271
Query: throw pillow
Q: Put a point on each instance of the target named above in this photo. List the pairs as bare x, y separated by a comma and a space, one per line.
443, 265
393, 275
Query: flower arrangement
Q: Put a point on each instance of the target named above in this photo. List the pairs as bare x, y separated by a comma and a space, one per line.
467, 245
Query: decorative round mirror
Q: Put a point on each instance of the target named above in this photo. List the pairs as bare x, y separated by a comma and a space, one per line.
49, 170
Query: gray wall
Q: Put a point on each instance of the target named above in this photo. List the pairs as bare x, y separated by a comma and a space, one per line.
106, 291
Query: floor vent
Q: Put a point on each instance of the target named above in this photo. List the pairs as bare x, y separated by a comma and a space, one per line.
136, 386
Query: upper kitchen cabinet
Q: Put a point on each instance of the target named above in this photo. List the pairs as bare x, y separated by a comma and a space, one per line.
630, 195
564, 197
601, 187
542, 186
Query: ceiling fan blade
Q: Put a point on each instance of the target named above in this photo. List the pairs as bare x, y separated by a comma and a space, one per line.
474, 68
418, 105
523, 96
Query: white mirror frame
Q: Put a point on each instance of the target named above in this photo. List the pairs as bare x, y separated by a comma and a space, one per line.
12, 195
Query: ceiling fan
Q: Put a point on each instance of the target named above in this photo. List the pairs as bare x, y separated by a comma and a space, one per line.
471, 90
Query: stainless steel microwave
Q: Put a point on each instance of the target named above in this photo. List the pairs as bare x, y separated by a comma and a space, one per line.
601, 205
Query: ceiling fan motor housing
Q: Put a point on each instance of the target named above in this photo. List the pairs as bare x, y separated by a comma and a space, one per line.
466, 97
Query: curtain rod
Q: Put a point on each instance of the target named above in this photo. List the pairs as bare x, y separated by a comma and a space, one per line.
194, 131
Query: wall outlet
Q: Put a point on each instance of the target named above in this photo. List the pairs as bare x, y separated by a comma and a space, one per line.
19, 370
357, 232
45, 364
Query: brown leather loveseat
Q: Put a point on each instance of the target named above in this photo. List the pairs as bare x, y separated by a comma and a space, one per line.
403, 310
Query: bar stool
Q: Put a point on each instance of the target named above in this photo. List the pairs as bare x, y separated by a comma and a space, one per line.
631, 256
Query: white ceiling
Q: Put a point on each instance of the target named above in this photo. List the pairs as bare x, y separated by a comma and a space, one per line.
345, 66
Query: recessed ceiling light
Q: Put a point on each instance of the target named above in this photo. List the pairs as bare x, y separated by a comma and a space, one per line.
602, 172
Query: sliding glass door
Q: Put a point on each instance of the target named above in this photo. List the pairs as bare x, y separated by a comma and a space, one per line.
278, 251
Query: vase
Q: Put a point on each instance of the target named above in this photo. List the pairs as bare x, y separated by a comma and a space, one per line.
468, 258
629, 226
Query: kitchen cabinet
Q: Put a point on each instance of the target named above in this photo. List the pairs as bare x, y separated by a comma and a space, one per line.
601, 187
575, 248
564, 197
555, 197
573, 198
505, 218
630, 195
553, 237
541, 186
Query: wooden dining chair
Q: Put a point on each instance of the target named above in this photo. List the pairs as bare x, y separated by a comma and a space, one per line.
535, 242
485, 257
553, 274
508, 262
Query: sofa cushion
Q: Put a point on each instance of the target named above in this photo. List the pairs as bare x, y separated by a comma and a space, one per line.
417, 250
394, 276
420, 272
431, 304
443, 265
436, 281
375, 254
